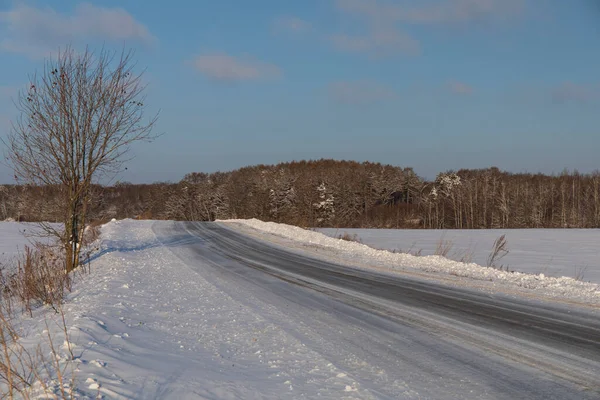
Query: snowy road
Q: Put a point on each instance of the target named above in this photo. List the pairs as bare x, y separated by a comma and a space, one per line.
398, 337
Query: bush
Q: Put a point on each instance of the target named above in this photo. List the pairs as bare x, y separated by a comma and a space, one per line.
40, 277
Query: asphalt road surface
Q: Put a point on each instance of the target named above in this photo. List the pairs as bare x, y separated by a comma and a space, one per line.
402, 337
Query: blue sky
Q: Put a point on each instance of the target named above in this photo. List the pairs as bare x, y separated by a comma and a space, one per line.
429, 84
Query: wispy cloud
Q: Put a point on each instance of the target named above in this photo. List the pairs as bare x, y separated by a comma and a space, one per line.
224, 67
427, 12
292, 24
381, 37
386, 21
378, 42
36, 32
359, 92
460, 88
576, 93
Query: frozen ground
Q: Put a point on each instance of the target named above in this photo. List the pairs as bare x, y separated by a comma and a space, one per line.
146, 325
554, 252
159, 317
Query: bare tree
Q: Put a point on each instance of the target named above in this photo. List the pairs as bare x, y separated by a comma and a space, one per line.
78, 120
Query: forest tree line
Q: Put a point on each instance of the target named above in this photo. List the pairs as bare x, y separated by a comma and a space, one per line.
329, 193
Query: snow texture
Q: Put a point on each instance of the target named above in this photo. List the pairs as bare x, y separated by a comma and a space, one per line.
573, 253
145, 325
358, 254
150, 320
14, 237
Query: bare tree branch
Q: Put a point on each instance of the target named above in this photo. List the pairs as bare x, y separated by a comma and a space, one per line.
78, 119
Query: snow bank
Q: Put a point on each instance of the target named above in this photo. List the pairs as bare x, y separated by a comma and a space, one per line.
564, 287
554, 252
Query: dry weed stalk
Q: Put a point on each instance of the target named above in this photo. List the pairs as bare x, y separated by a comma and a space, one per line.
580, 273
24, 372
443, 247
499, 250
463, 255
39, 278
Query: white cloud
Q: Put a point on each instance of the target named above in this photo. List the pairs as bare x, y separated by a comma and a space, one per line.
224, 67
378, 42
292, 24
459, 11
36, 31
427, 12
359, 92
385, 20
460, 88
572, 92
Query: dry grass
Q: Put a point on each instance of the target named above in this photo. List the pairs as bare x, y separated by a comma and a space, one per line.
499, 250
91, 233
40, 278
37, 278
443, 247
412, 250
463, 255
16, 376
349, 238
580, 273
27, 373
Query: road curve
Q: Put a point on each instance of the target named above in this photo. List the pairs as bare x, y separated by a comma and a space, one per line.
428, 340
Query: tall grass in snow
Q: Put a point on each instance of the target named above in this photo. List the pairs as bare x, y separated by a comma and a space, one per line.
38, 278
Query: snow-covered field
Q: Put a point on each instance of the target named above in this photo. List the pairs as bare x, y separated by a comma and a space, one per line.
145, 324
13, 237
436, 267
573, 253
